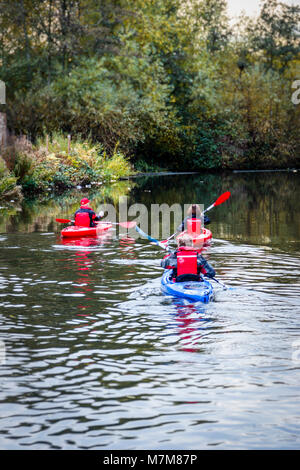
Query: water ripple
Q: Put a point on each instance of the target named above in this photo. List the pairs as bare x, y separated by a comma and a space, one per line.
98, 358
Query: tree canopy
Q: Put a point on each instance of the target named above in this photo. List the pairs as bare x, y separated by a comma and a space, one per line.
174, 82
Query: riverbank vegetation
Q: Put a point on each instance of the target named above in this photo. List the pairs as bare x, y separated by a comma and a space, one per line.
58, 165
165, 83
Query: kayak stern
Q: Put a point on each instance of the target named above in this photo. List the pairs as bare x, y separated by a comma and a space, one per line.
191, 290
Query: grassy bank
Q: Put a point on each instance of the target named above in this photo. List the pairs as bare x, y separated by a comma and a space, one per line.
56, 164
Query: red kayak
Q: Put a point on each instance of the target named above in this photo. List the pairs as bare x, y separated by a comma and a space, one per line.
76, 231
200, 235
198, 239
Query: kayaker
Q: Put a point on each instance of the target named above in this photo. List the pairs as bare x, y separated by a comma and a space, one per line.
85, 216
193, 212
187, 264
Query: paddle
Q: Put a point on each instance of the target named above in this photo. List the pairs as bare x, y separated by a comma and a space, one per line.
151, 239
219, 201
221, 283
64, 221
125, 224
122, 224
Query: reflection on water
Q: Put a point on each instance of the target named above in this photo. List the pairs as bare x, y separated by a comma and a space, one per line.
192, 324
98, 358
263, 208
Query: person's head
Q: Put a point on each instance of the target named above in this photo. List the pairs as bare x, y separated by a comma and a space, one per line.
84, 202
185, 241
194, 211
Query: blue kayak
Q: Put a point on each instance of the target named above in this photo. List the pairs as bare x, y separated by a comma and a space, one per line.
191, 290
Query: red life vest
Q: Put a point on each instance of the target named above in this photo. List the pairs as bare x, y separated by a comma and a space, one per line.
193, 226
82, 219
186, 261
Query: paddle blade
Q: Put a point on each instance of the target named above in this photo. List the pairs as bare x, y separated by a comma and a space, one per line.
63, 221
222, 198
127, 224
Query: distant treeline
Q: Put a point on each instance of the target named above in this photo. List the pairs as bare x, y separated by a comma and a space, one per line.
173, 83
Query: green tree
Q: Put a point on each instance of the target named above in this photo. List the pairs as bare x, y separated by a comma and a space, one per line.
277, 34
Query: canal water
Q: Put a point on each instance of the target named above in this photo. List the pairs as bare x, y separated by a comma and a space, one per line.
94, 356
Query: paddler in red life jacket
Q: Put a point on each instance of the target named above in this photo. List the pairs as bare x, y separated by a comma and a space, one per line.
187, 264
194, 212
85, 216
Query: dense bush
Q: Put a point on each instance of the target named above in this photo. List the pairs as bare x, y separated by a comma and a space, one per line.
8, 183
52, 165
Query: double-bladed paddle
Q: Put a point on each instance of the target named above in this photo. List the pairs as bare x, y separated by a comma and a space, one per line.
221, 283
64, 221
151, 239
122, 224
219, 201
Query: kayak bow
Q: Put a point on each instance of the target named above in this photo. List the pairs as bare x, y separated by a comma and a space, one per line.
76, 231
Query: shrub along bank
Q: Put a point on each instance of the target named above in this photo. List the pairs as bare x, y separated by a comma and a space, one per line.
57, 164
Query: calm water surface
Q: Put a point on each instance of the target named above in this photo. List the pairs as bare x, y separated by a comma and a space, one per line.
93, 356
